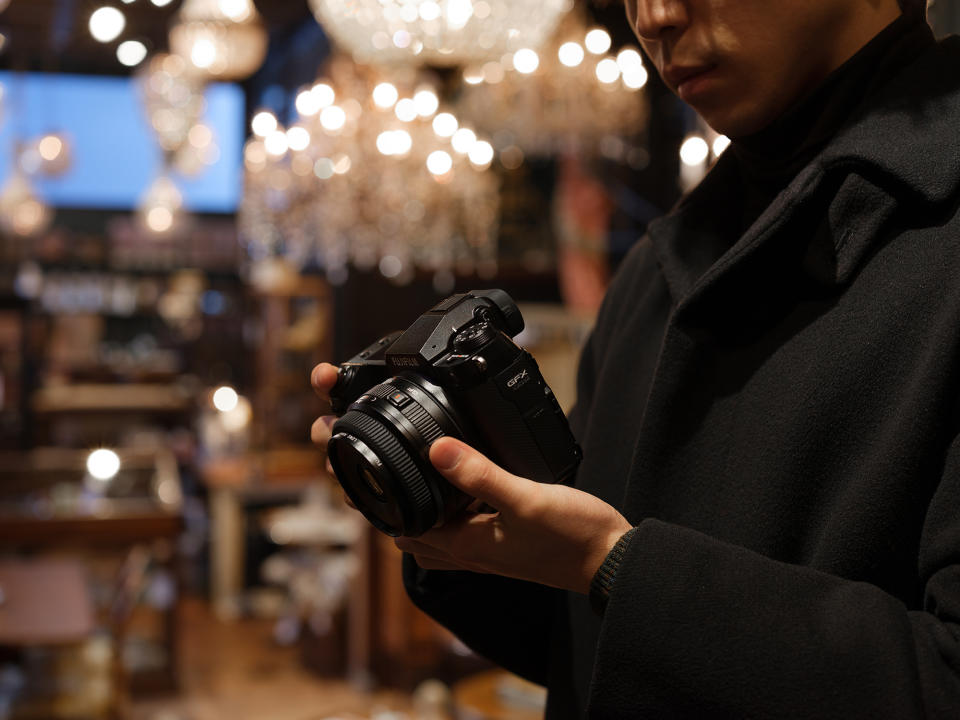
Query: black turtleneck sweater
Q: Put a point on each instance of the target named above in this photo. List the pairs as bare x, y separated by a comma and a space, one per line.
771, 158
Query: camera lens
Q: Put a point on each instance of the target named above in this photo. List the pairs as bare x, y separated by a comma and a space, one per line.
379, 452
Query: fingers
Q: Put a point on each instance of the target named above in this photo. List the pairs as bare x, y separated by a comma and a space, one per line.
429, 557
479, 477
323, 377
320, 430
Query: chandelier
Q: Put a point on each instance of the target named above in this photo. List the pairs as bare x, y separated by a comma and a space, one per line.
173, 99
221, 39
574, 95
172, 95
373, 174
439, 32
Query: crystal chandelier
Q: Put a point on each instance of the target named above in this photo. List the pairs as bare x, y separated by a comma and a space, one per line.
574, 95
373, 175
221, 39
439, 32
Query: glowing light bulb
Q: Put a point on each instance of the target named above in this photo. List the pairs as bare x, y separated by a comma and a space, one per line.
406, 110
439, 162
629, 60
276, 143
103, 464
526, 61
131, 52
635, 78
203, 53
570, 54
597, 41
159, 219
694, 150
445, 125
429, 10
225, 398
463, 139
458, 13
385, 95
106, 24
307, 103
426, 102
324, 94
236, 10
608, 71
50, 147
332, 118
298, 138
481, 154
394, 142
263, 123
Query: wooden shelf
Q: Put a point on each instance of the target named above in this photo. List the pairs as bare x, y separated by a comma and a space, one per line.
95, 397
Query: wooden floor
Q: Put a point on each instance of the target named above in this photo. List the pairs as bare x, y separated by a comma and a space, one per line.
236, 671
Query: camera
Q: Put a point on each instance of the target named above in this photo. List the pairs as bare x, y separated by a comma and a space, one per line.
455, 371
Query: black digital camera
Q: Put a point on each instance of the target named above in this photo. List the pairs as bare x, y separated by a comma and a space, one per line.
455, 372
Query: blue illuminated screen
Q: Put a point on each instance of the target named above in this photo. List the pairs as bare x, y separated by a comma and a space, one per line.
115, 154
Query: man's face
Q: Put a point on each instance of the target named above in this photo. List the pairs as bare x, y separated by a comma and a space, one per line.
742, 63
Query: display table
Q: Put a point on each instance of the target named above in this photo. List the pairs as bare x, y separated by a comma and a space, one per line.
234, 483
49, 502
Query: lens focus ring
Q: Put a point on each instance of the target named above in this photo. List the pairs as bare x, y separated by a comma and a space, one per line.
428, 428
376, 436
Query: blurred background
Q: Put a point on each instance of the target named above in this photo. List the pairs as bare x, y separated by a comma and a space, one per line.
199, 201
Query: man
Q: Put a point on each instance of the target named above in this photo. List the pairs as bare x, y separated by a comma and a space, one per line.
766, 522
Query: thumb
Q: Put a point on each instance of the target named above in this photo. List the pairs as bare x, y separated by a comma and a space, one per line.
478, 476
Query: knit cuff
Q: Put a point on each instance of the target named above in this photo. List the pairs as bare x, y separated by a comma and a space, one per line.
603, 579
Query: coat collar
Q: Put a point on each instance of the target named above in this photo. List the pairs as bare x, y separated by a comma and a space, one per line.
897, 166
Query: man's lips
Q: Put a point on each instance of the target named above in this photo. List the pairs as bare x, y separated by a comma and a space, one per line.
677, 75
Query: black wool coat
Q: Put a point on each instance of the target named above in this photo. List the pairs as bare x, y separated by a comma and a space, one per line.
781, 424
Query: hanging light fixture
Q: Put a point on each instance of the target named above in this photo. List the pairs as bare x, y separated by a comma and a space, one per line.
572, 94
22, 212
173, 99
372, 180
160, 208
221, 39
440, 32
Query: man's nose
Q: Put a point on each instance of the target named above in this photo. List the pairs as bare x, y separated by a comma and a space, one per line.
656, 18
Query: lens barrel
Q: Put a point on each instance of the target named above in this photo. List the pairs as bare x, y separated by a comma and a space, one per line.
379, 452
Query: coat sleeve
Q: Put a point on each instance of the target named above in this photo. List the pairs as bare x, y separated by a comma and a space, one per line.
505, 620
699, 628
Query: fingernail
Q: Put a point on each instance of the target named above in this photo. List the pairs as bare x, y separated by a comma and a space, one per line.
445, 456
329, 420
